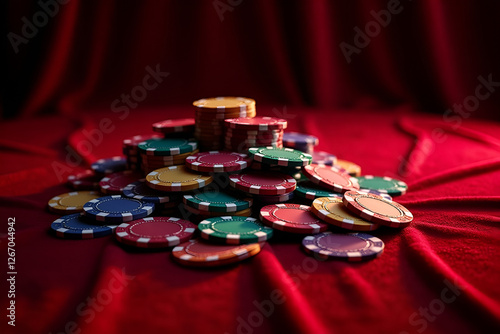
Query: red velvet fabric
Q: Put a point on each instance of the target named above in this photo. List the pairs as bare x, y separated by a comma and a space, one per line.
454, 240
395, 109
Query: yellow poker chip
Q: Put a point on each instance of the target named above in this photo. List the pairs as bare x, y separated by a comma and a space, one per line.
331, 210
225, 103
350, 167
177, 178
72, 202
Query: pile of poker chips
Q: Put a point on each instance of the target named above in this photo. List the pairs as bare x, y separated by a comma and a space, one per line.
245, 132
238, 199
210, 115
131, 151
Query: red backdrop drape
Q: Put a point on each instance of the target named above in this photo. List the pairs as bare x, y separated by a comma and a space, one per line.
425, 53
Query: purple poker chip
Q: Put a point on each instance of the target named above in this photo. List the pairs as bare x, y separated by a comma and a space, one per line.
293, 139
324, 158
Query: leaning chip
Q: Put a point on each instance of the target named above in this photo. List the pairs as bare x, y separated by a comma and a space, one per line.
333, 211
330, 177
198, 253
294, 218
376, 209
155, 232
350, 246
174, 125
234, 230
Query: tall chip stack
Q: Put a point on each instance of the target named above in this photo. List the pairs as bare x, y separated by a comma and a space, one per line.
210, 115
245, 132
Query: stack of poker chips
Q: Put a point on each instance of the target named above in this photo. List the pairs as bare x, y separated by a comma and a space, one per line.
244, 132
157, 153
210, 115
300, 141
131, 151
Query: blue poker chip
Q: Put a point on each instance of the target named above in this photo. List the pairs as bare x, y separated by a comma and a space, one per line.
295, 139
375, 192
75, 226
324, 158
141, 191
117, 209
109, 165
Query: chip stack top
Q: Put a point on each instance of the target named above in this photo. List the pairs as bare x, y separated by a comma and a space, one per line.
210, 115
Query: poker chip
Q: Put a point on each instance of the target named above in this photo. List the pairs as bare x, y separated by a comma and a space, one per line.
114, 183
215, 200
330, 177
234, 230
323, 158
177, 178
287, 157
217, 161
155, 232
384, 184
199, 253
333, 211
371, 191
274, 199
349, 246
71, 202
174, 125
110, 165
350, 167
263, 183
256, 123
375, 209
293, 139
204, 213
140, 191
167, 146
310, 190
130, 144
117, 209
294, 218
85, 180
74, 226
225, 103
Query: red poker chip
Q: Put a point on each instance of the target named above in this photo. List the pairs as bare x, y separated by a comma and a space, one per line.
377, 209
132, 142
331, 178
85, 180
217, 161
253, 133
174, 125
155, 232
263, 183
114, 183
256, 123
294, 218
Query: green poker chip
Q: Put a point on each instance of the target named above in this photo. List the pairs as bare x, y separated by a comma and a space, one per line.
280, 156
234, 230
309, 190
384, 185
215, 200
167, 146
